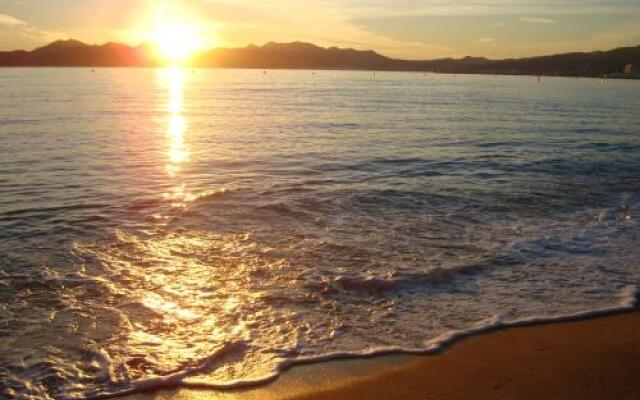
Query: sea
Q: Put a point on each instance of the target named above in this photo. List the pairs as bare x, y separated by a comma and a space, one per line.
215, 227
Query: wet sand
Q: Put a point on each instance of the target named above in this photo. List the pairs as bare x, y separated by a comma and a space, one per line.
589, 359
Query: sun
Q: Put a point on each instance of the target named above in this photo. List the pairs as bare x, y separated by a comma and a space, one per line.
176, 39
176, 44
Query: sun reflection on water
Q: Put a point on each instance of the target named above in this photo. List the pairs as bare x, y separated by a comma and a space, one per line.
187, 295
190, 292
168, 308
178, 154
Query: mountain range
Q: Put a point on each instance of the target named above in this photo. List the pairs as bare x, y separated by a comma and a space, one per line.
621, 62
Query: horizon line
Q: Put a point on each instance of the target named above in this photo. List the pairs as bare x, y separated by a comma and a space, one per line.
250, 45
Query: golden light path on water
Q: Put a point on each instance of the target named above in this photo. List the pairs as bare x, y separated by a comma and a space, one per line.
197, 295
191, 288
165, 306
178, 154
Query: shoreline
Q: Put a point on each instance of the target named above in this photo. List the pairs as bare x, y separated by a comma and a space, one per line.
533, 360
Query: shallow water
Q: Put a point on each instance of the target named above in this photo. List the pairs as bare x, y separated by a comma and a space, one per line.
174, 223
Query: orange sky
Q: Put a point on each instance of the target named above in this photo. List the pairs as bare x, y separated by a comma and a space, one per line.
401, 28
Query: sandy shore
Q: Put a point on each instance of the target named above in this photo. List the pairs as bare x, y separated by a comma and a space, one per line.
590, 359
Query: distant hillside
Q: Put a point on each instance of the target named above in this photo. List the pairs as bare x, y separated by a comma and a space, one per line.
72, 53
593, 64
299, 55
295, 55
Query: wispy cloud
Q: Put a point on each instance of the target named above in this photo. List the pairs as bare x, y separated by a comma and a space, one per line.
377, 8
16, 33
537, 20
7, 20
486, 40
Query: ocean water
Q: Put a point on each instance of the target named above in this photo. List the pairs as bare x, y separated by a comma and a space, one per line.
215, 226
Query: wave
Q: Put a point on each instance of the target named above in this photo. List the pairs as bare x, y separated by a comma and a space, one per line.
628, 302
436, 276
51, 210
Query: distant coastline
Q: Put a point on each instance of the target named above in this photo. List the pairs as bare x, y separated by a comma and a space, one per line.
617, 63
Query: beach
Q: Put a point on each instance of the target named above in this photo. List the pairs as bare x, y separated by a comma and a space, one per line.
586, 359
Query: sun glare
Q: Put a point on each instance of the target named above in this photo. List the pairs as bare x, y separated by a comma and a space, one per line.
176, 44
176, 38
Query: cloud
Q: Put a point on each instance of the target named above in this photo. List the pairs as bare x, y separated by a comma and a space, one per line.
537, 20
486, 40
378, 8
318, 22
18, 34
7, 20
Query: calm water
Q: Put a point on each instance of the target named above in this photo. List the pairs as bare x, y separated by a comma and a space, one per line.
215, 225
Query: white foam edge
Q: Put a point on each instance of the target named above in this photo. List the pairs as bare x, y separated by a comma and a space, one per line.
628, 302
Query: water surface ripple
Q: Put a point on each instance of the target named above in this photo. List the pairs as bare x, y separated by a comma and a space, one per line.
215, 225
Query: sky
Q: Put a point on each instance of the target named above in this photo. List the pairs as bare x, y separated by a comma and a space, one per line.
398, 28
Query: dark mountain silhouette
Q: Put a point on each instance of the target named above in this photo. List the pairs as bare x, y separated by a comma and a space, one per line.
72, 53
295, 55
298, 55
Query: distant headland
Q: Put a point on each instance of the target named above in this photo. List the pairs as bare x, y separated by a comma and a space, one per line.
618, 63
